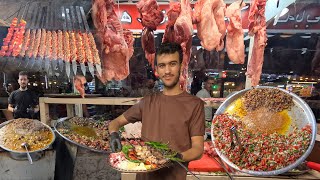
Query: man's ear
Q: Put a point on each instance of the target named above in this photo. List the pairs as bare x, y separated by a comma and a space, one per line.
156, 72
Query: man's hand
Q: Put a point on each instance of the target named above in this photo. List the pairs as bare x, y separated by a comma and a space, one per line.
30, 111
15, 109
115, 142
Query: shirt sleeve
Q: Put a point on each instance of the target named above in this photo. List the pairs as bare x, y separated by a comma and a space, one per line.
134, 113
197, 123
11, 98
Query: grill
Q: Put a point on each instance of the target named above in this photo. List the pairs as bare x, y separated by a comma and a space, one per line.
52, 39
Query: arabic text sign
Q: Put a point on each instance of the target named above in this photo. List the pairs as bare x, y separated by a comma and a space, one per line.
301, 16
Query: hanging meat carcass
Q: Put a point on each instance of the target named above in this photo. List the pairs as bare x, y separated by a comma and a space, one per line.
209, 17
182, 34
234, 40
172, 14
116, 52
257, 28
151, 17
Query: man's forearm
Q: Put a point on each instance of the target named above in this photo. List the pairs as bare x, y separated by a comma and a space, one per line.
192, 154
115, 125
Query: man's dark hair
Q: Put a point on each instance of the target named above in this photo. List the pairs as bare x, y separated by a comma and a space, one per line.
207, 78
169, 48
23, 73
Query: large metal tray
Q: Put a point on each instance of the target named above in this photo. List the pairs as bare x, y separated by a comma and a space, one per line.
301, 115
60, 123
23, 152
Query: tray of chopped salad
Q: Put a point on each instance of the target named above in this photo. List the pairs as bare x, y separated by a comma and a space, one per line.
263, 131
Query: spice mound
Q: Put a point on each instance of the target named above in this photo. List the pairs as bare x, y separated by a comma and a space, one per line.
262, 151
274, 100
87, 132
29, 131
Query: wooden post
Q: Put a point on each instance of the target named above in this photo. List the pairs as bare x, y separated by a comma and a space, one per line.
44, 112
248, 80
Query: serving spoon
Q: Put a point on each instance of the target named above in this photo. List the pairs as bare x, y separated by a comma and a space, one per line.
25, 145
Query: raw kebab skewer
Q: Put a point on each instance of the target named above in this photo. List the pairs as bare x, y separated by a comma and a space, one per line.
95, 53
81, 53
257, 28
73, 51
35, 48
235, 41
66, 52
48, 50
151, 17
54, 54
88, 53
60, 53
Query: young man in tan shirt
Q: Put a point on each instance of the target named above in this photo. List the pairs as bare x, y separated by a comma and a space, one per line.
172, 116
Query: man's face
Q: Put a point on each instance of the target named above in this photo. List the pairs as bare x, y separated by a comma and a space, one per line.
208, 85
23, 81
168, 69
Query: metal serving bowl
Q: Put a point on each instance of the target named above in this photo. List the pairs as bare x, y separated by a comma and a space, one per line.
301, 115
64, 122
35, 154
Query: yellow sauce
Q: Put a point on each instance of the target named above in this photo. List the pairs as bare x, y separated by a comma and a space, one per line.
236, 108
84, 131
261, 119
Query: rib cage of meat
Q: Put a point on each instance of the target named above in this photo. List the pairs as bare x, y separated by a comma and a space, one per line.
116, 52
181, 34
235, 41
257, 27
151, 17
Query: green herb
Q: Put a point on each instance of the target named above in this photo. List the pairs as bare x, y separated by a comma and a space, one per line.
125, 150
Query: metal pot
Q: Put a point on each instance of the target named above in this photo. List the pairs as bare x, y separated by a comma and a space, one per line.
35, 155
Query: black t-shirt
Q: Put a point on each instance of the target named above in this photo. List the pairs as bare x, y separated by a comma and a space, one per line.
23, 100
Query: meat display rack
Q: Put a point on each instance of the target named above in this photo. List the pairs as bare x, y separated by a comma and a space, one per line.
48, 16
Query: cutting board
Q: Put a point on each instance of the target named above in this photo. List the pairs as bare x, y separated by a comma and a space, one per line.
205, 164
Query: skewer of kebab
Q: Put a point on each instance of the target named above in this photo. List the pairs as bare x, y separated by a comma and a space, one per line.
95, 54
26, 51
72, 39
48, 48
53, 26
35, 48
66, 45
42, 46
20, 38
8, 38
60, 54
86, 43
13, 31
79, 44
